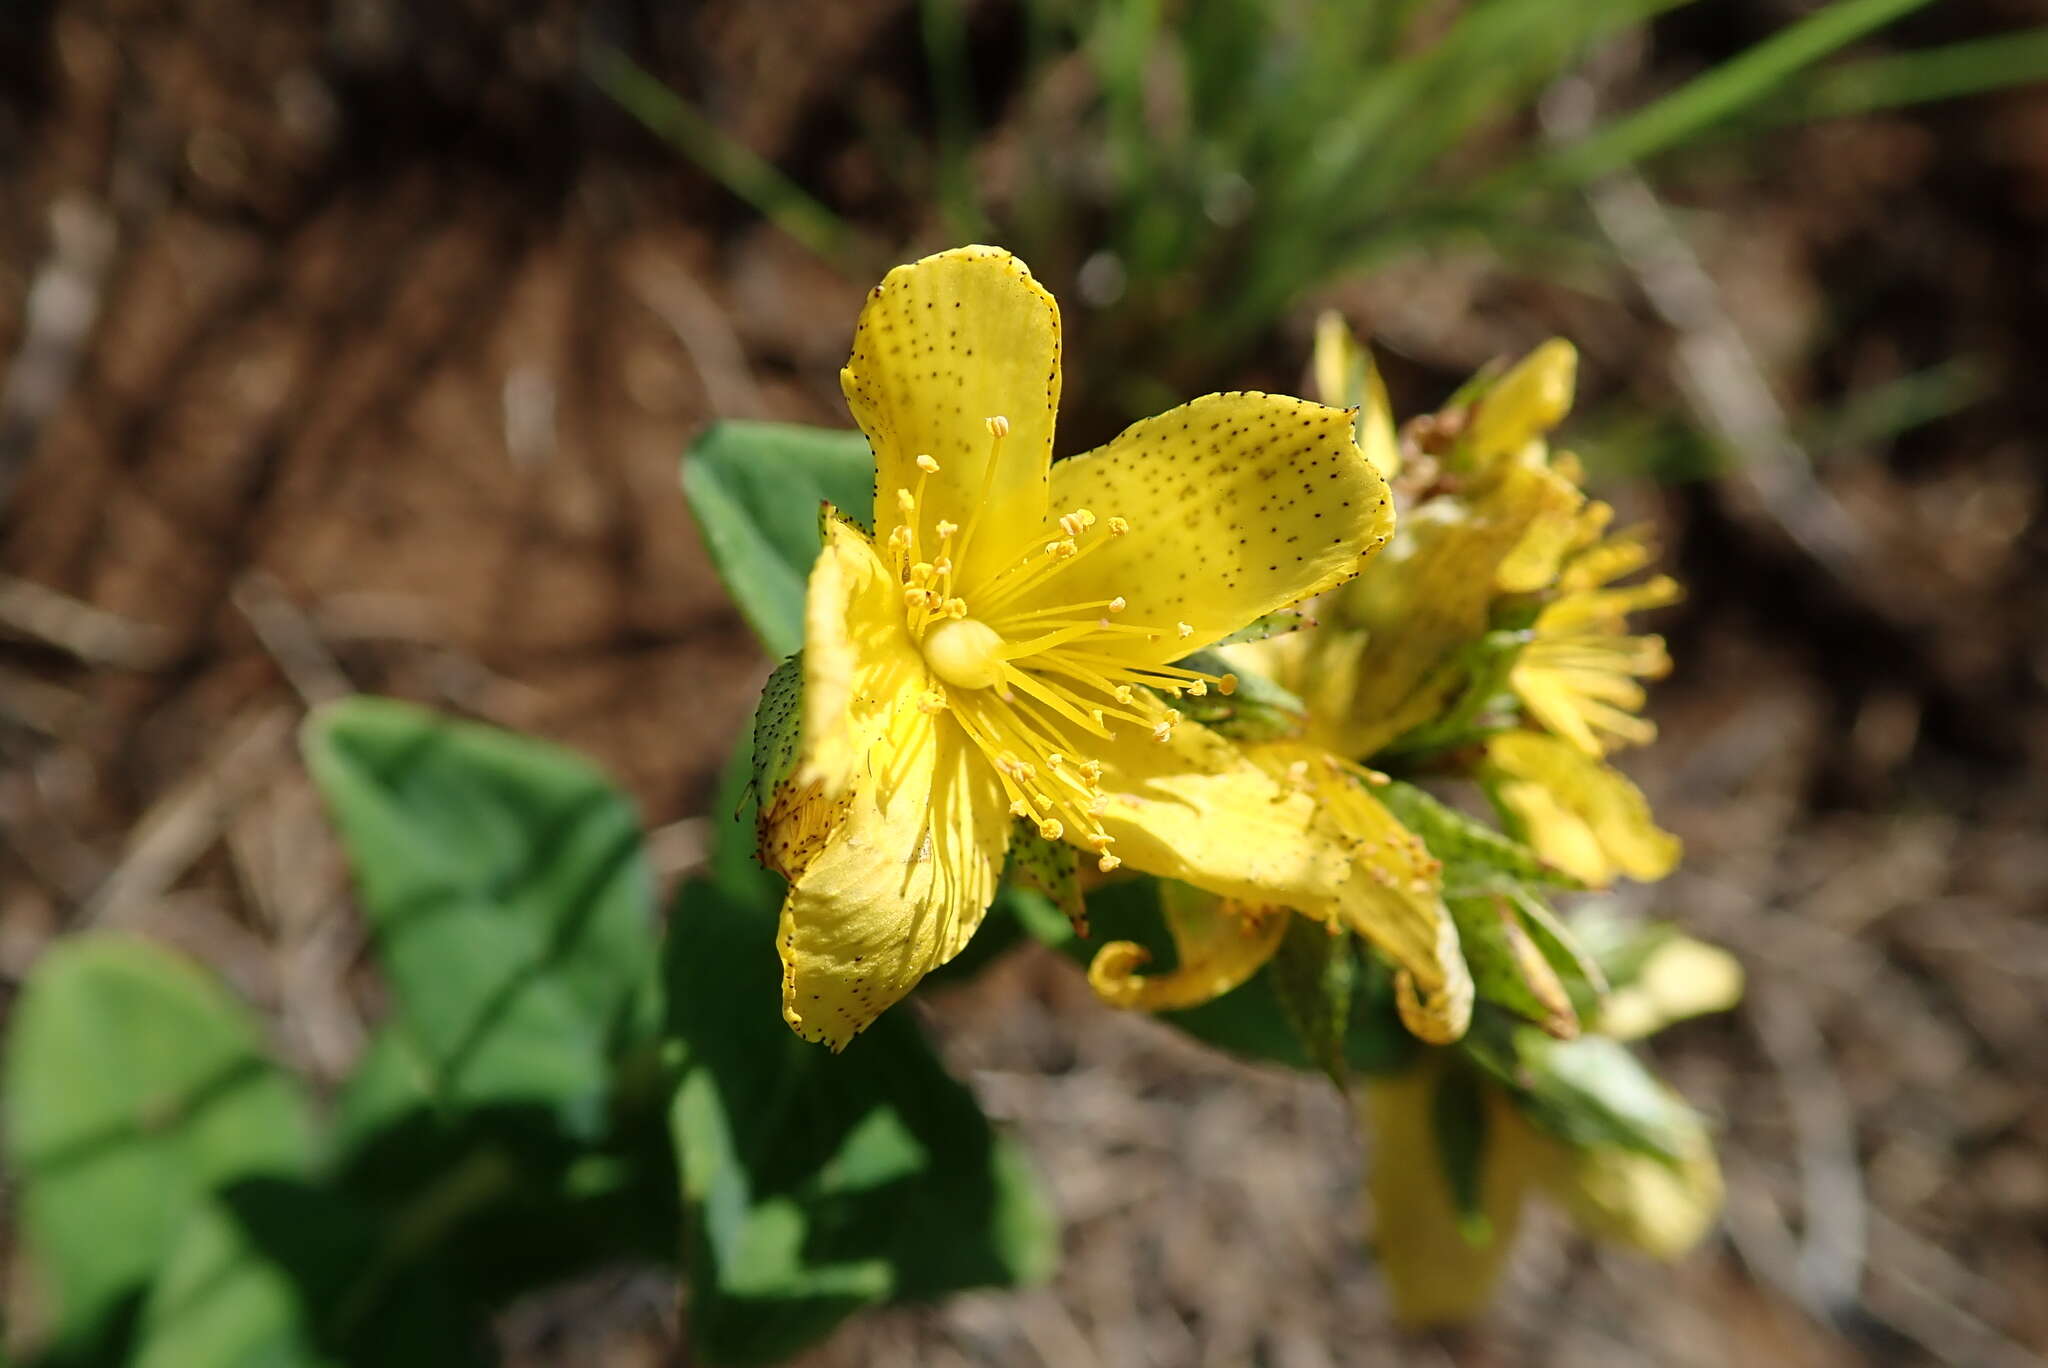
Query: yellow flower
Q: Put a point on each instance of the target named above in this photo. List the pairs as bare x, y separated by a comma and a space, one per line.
999, 653
1439, 1268
1577, 813
1219, 944
1579, 675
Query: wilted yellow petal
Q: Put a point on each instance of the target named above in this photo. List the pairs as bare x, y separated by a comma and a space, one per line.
944, 345
1236, 504
1346, 378
1426, 598
1196, 808
1637, 1199
1527, 402
1218, 944
1575, 811
902, 882
1681, 978
1438, 1275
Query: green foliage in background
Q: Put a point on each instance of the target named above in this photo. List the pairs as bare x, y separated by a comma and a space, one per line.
552, 1092
1153, 147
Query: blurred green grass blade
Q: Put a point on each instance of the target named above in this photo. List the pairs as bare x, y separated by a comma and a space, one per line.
755, 489
134, 1086
747, 175
1907, 78
943, 27
1734, 85
511, 901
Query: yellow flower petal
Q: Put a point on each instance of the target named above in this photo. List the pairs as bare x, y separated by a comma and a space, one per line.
1681, 978
1569, 523
1530, 400
1436, 1274
1218, 944
1237, 505
1637, 1199
901, 884
1577, 812
1261, 830
858, 656
1347, 378
944, 345
1426, 597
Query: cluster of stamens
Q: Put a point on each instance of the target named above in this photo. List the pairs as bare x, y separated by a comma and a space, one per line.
979, 654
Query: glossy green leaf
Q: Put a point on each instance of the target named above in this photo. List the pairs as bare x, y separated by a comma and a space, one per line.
815, 1184
511, 901
755, 489
134, 1086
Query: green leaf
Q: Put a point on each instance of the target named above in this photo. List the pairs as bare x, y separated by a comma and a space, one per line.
1458, 1120
815, 1184
1580, 973
134, 1086
511, 901
1476, 858
1314, 975
1591, 1092
1257, 709
278, 1273
1508, 967
755, 489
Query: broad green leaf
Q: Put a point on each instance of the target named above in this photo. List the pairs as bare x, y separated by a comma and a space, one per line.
278, 1273
511, 901
815, 1184
134, 1086
755, 489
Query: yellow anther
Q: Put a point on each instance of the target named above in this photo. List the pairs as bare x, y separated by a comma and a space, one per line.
1071, 524
1198, 689
1117, 604
1098, 805
1091, 772
955, 608
1162, 731
1118, 526
1107, 863
906, 501
1019, 808
927, 464
947, 528
1184, 629
999, 426
1051, 829
900, 538
1056, 759
1087, 518
1124, 694
1227, 685
942, 566
921, 573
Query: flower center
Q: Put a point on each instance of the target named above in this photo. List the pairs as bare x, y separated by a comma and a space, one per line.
965, 653
1036, 684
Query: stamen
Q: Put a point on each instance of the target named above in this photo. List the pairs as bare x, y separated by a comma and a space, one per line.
927, 464
1117, 527
1184, 629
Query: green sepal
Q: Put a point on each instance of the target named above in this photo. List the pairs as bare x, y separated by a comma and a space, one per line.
1315, 976
1508, 968
1051, 869
1257, 709
1476, 858
1457, 1116
1591, 1092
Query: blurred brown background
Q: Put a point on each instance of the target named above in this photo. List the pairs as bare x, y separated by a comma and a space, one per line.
353, 346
